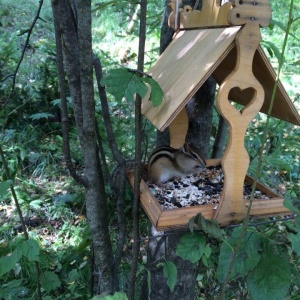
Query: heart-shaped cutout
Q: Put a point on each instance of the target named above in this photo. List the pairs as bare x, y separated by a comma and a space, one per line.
243, 97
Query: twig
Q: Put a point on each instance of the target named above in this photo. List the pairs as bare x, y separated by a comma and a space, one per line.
138, 157
24, 228
102, 156
120, 192
28, 31
64, 109
141, 73
105, 113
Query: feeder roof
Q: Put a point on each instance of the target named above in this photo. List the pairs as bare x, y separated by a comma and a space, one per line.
192, 57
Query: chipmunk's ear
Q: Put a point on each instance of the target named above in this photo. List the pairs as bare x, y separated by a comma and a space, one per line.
186, 147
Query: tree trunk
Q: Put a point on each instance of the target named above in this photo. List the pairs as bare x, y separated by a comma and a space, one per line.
75, 25
160, 249
220, 139
200, 110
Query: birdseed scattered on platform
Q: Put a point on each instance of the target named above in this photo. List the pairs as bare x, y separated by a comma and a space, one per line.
197, 189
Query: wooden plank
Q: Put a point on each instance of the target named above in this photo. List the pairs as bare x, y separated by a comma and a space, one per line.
211, 14
178, 89
213, 162
263, 188
183, 67
180, 217
273, 206
164, 219
149, 203
235, 160
178, 129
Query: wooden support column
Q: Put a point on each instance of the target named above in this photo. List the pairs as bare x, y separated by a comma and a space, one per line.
178, 129
235, 162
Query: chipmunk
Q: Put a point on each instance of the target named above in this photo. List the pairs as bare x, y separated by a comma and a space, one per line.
167, 163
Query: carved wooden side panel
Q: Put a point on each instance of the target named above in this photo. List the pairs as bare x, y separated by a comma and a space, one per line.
211, 14
236, 159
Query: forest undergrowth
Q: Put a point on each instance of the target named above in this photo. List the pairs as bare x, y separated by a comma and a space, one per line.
53, 205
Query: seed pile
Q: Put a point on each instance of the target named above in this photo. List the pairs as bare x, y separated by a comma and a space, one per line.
197, 189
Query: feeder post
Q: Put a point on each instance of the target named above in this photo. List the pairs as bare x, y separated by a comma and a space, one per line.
235, 162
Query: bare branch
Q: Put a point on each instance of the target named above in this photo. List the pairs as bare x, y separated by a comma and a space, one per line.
105, 113
138, 157
24, 228
29, 31
121, 176
64, 109
23, 32
106, 174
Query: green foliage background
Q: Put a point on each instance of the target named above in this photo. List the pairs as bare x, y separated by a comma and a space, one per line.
54, 206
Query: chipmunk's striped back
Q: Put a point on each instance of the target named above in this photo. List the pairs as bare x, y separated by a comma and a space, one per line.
166, 163
167, 152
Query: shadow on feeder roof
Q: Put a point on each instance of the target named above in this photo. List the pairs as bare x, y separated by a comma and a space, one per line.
196, 54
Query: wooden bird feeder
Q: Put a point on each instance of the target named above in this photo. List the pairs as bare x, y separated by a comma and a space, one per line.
223, 42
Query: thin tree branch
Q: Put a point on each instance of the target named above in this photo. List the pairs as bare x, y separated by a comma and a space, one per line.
14, 75
102, 156
19, 210
105, 113
138, 157
121, 177
69, 32
29, 31
64, 109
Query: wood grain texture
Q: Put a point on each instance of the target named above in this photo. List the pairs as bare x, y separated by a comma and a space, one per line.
163, 219
220, 67
262, 69
236, 160
283, 108
178, 129
183, 68
211, 14
233, 56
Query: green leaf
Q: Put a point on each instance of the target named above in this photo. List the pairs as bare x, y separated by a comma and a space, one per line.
206, 255
31, 249
115, 296
207, 251
246, 258
271, 278
12, 289
124, 83
157, 94
210, 227
135, 86
63, 199
170, 272
191, 247
49, 281
272, 49
39, 116
289, 203
295, 240
8, 262
4, 186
